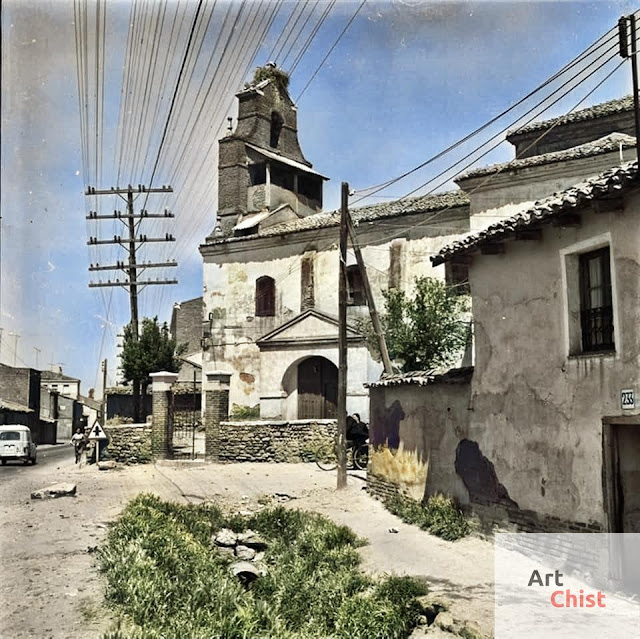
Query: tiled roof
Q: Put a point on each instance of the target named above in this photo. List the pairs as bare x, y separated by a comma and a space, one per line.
606, 184
597, 111
5, 404
606, 144
397, 208
51, 376
425, 378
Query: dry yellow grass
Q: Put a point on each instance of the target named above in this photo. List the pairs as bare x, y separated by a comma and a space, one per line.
401, 467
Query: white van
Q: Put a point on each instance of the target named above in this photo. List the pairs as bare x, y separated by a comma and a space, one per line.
16, 443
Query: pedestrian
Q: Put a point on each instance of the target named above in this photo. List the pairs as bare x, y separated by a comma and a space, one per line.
79, 443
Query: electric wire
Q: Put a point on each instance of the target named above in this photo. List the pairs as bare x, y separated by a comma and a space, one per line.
579, 58
335, 44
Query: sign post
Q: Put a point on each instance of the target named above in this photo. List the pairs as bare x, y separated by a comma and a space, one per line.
97, 435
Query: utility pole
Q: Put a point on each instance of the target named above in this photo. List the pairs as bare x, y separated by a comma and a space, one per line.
341, 441
623, 33
373, 313
37, 351
15, 347
131, 244
132, 268
104, 392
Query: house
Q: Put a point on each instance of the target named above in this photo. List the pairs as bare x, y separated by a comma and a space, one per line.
20, 403
540, 433
57, 382
557, 341
186, 329
270, 266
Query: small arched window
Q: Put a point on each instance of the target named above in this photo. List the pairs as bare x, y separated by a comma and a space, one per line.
276, 128
265, 296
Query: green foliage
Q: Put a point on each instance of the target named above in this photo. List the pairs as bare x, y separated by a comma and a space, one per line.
271, 72
167, 579
154, 351
424, 331
440, 515
240, 411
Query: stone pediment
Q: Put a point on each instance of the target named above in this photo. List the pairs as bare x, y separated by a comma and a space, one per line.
310, 327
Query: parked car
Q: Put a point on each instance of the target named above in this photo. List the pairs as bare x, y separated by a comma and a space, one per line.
16, 443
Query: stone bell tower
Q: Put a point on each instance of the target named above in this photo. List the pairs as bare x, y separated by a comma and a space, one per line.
261, 168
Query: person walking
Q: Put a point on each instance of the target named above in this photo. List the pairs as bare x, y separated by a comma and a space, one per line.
79, 443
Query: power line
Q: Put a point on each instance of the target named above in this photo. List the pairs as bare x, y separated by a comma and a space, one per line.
335, 44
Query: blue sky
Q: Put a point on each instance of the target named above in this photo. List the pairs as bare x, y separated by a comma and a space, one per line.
407, 80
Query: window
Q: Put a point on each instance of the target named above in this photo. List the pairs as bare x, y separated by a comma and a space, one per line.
596, 308
265, 296
355, 288
276, 128
456, 276
257, 173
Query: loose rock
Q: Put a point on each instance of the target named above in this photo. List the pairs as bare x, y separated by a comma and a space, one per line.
54, 491
226, 537
245, 553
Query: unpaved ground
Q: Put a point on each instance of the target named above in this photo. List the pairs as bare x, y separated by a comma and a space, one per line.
50, 587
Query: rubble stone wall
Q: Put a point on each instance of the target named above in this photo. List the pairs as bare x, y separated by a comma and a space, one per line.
259, 441
129, 443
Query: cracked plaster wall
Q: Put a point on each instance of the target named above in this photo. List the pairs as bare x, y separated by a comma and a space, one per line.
537, 412
230, 272
414, 432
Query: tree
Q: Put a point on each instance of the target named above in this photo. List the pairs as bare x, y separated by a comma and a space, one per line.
154, 351
425, 331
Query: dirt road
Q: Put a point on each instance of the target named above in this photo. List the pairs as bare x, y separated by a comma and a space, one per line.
50, 587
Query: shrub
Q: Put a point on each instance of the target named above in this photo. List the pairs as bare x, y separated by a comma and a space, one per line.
440, 515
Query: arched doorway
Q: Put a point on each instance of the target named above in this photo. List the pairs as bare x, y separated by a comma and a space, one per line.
317, 389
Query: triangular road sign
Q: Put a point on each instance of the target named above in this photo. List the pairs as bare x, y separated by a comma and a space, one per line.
96, 432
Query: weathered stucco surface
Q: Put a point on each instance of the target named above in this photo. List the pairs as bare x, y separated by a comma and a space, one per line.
414, 433
230, 272
537, 410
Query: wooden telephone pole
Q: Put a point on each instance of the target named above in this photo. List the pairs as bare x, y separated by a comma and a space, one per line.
346, 231
624, 24
131, 243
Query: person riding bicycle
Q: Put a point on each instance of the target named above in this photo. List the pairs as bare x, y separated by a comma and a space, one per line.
357, 430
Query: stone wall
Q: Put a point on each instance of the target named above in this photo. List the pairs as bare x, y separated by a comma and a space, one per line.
380, 487
259, 441
129, 443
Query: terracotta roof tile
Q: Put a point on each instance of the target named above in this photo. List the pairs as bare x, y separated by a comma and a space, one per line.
591, 113
397, 208
606, 144
604, 185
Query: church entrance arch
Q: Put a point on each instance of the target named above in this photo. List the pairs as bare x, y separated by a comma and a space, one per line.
317, 389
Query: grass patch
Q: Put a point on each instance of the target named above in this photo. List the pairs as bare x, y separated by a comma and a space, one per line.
166, 577
440, 516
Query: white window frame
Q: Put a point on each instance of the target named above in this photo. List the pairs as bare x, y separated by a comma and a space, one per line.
570, 259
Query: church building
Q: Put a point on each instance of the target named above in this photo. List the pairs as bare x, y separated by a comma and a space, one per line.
270, 265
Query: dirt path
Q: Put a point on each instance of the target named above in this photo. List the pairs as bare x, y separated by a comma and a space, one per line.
50, 587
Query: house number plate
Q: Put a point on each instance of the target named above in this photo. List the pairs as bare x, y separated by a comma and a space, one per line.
628, 399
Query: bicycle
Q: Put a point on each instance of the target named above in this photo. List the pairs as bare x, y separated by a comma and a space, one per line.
327, 459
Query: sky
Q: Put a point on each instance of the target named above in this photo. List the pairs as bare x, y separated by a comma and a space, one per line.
406, 80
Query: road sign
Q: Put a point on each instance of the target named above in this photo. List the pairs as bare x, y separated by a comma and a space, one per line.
96, 432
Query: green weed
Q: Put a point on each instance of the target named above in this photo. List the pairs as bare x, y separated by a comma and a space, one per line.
166, 577
440, 515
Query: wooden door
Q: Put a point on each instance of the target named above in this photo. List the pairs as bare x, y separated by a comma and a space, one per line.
317, 389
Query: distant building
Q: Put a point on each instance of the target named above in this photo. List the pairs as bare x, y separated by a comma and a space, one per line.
57, 382
20, 403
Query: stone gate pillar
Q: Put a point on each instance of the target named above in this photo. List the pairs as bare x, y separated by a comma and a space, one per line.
162, 426
216, 410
